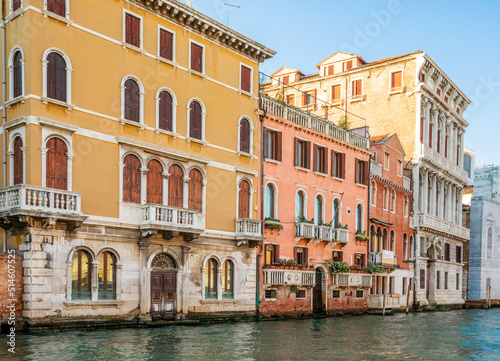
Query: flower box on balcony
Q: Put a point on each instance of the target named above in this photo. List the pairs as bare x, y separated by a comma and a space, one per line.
360, 237
272, 223
303, 220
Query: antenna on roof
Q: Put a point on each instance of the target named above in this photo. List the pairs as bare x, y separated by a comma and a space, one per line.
239, 7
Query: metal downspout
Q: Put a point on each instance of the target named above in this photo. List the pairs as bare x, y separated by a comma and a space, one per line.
257, 278
4, 87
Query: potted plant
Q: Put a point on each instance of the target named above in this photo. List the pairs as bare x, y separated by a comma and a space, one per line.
272, 223
337, 266
374, 269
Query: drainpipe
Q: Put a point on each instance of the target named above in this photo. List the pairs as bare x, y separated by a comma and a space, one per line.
4, 87
368, 209
257, 278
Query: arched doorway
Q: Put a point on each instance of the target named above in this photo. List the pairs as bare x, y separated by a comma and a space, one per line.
163, 287
318, 291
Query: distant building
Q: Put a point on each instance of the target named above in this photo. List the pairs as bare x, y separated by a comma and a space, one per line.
469, 163
484, 269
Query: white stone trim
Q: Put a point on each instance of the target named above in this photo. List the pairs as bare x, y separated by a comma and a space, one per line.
66, 8
66, 136
203, 119
275, 199
124, 32
174, 111
239, 178
19, 132
203, 68
304, 193
251, 79
69, 70
251, 135
174, 38
11, 71
141, 101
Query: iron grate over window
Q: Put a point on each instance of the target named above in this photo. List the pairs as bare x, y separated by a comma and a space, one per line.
270, 294
336, 294
360, 293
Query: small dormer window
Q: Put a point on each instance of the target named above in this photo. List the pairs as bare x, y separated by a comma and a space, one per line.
286, 79
329, 70
347, 65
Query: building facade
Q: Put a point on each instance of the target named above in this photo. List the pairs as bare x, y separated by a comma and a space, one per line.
409, 95
315, 186
130, 170
391, 238
484, 256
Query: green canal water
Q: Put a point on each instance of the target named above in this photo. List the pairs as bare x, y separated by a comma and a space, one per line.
454, 335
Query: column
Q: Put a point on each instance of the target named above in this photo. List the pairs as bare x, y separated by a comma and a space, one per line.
144, 277
165, 176
453, 207
426, 191
185, 192
460, 191
144, 182
442, 200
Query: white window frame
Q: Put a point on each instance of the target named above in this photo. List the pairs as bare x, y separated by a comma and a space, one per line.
159, 57
251, 78
174, 111
141, 102
333, 101
203, 121
240, 152
388, 157
249, 179
339, 211
323, 209
387, 198
304, 203
17, 133
12, 13
391, 91
400, 168
275, 200
124, 30
66, 135
355, 98
10, 67
363, 226
46, 12
203, 72
69, 70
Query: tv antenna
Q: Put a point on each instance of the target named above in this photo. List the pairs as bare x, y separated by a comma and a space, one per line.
239, 7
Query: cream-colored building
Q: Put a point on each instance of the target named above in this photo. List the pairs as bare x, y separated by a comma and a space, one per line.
130, 160
409, 95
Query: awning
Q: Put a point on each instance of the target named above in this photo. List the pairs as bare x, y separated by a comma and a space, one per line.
378, 221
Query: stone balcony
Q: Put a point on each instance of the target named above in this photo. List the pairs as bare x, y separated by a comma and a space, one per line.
323, 234
171, 222
352, 280
341, 235
440, 225
250, 230
386, 259
304, 230
444, 163
23, 204
377, 301
288, 277
376, 168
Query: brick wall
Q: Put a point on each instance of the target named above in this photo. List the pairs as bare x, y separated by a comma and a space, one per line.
286, 304
4, 286
347, 302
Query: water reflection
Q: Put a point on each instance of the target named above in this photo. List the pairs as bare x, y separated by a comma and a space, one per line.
458, 335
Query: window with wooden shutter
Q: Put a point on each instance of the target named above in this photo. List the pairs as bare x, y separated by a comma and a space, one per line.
16, 4
446, 251
446, 147
246, 80
175, 186
57, 164
166, 44
18, 161
197, 57
396, 80
245, 136
18, 75
439, 141
329, 70
458, 254
357, 88
132, 30
56, 77
195, 191
165, 111
57, 7
155, 182
286, 79
430, 135
244, 200
195, 120
132, 101
336, 93
349, 64
131, 179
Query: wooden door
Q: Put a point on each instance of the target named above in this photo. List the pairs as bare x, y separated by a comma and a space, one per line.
195, 191
175, 186
155, 182
163, 294
18, 161
244, 200
318, 291
57, 164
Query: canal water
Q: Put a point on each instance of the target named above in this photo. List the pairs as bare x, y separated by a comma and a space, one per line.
454, 335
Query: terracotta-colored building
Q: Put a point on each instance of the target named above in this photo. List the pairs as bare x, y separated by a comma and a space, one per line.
316, 178
391, 238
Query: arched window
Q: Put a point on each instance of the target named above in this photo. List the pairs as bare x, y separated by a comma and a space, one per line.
412, 254
56, 77
228, 280
359, 218
386, 198
131, 179
393, 200
195, 120
165, 111
175, 186
211, 279
385, 244
407, 206
299, 206
195, 191
154, 193
270, 201
57, 164
81, 275
393, 241
379, 240
337, 213
405, 247
18, 161
106, 283
17, 86
245, 136
318, 211
244, 200
374, 193
132, 101
490, 243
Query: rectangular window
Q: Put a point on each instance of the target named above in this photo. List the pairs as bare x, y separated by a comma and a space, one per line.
336, 294
446, 99
271, 254
320, 159
272, 144
387, 160
459, 254
400, 168
422, 76
329, 70
166, 44
438, 280
197, 58
446, 280
132, 30
439, 141
404, 286
286, 79
458, 282
271, 294
246, 79
301, 255
302, 153
446, 251
360, 293
337, 256
290, 99
301, 294
57, 7
359, 260
349, 65
430, 135
338, 165
361, 174
16, 4
396, 81
357, 89
336, 93
422, 279
309, 100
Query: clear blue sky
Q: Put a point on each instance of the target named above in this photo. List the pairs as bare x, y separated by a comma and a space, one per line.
463, 37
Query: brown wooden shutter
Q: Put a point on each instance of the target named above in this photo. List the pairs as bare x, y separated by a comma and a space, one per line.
166, 44
342, 166
245, 79
245, 136
349, 64
18, 75
422, 130
330, 70
306, 256
165, 110
366, 174
132, 179
195, 192
315, 99
132, 101
278, 145
56, 77
430, 135
295, 258
336, 92
307, 155
244, 200
132, 30
276, 253
16, 4
325, 161
332, 165
266, 143
304, 99
446, 146
57, 164
196, 57
296, 152
439, 140
56, 6
286, 79
315, 158
175, 186
195, 121
155, 182
18, 161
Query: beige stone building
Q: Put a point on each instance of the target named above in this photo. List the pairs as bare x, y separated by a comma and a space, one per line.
412, 96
